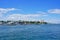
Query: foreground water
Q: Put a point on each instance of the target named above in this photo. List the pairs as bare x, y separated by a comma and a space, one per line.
30, 32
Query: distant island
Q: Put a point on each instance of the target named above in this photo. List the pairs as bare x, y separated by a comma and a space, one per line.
21, 22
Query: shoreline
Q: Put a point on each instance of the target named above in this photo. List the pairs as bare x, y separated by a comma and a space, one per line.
21, 22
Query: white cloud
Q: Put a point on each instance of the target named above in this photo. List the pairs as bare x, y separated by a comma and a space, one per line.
57, 11
18, 16
41, 12
23, 17
5, 10
30, 17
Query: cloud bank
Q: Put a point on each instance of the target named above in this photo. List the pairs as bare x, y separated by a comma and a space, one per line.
56, 11
27, 17
5, 10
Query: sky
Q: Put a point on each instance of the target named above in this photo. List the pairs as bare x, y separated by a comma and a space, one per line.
31, 10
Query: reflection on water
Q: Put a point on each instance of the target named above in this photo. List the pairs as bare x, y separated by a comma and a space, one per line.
30, 32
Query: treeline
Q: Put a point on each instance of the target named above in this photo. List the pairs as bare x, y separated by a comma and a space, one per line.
22, 22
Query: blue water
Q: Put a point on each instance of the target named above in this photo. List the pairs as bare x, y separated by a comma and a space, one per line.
30, 32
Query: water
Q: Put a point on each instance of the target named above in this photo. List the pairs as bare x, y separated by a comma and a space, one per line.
30, 32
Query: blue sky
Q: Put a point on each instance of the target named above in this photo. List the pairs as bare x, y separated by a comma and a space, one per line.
48, 10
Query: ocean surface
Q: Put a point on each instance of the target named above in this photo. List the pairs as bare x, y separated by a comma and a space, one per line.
30, 32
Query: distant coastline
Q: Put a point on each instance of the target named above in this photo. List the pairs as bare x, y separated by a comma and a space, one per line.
21, 22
